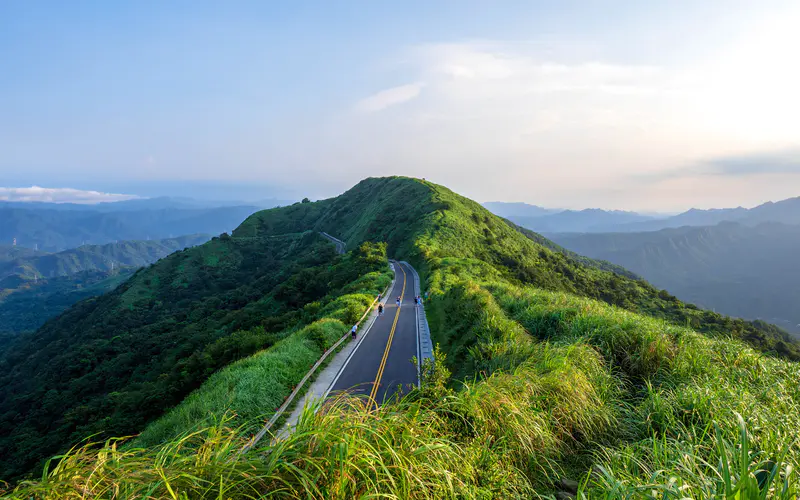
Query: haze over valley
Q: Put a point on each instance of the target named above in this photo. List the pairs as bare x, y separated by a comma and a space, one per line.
415, 250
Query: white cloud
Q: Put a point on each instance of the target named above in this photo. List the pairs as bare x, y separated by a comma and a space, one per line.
520, 121
60, 195
390, 97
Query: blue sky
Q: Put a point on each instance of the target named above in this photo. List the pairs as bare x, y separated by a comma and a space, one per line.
617, 104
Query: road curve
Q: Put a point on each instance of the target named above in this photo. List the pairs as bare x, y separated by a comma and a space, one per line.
381, 367
340, 245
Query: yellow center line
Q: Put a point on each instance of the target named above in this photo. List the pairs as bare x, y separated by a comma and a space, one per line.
374, 393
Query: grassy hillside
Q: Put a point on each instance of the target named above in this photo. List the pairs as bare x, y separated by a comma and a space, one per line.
96, 257
55, 230
549, 369
116, 362
28, 306
428, 224
750, 272
36, 286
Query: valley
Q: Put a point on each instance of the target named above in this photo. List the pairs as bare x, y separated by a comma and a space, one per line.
548, 365
738, 270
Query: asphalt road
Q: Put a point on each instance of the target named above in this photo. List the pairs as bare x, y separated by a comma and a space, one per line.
381, 367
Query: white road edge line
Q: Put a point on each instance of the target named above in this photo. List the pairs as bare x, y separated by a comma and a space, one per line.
419, 350
358, 344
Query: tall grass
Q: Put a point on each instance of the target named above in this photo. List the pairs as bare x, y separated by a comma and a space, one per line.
249, 389
533, 393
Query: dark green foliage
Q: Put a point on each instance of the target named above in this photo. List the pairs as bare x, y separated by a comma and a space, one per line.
56, 230
35, 286
96, 257
433, 228
113, 363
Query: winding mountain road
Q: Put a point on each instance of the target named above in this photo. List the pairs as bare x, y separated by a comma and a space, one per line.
381, 366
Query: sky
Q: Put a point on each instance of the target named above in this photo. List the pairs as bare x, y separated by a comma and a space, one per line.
656, 106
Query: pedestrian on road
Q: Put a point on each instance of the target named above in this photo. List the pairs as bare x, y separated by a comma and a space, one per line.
353, 331
398, 301
416, 301
419, 300
380, 309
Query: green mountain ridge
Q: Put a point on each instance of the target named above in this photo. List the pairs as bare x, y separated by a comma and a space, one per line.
55, 230
31, 304
560, 368
95, 257
35, 286
740, 270
115, 362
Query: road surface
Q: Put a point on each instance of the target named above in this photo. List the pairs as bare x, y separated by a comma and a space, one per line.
340, 245
381, 367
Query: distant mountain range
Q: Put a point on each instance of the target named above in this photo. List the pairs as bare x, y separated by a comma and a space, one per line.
28, 264
589, 220
57, 229
30, 306
599, 221
785, 212
34, 286
518, 209
747, 271
158, 203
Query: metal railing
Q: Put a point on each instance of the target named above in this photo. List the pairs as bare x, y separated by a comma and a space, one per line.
282, 409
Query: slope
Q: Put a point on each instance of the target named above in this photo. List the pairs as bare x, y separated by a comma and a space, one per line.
517, 209
113, 363
784, 212
31, 304
589, 220
744, 271
96, 257
547, 384
54, 230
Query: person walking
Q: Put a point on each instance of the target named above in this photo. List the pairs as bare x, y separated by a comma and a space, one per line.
353, 331
380, 309
398, 301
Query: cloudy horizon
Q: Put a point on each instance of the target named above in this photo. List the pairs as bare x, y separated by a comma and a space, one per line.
658, 108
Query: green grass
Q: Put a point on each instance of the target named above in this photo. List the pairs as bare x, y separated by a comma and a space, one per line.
548, 369
249, 389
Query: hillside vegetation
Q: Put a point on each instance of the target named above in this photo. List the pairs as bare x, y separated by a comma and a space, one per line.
36, 286
95, 257
29, 306
112, 364
548, 370
58, 229
750, 272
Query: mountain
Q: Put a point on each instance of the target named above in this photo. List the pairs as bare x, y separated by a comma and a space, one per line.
517, 209
94, 257
54, 230
9, 253
35, 286
589, 220
785, 212
31, 304
549, 367
745, 271
156, 337
137, 204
